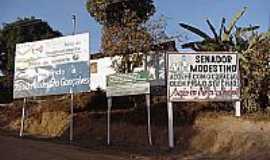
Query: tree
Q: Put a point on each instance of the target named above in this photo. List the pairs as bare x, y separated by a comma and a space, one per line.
157, 30
111, 12
253, 50
123, 32
255, 74
128, 42
230, 38
3, 59
22, 30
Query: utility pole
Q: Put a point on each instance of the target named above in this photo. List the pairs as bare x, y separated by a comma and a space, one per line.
74, 21
71, 92
269, 23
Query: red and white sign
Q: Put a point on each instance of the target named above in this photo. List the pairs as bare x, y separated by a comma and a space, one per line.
203, 76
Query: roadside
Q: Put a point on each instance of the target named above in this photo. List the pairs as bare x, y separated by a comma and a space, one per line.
200, 135
25, 149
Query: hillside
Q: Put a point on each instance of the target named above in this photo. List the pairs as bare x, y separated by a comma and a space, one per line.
200, 130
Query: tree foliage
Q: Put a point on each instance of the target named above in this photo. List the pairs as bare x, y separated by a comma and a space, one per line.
123, 33
22, 30
157, 30
118, 40
128, 43
230, 38
255, 73
111, 12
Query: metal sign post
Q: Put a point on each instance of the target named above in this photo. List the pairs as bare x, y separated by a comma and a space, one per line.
169, 108
23, 117
237, 106
109, 120
128, 85
71, 116
170, 124
109, 101
147, 97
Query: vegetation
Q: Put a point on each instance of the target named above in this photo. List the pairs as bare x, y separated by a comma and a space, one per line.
114, 12
253, 49
123, 32
129, 42
22, 30
256, 74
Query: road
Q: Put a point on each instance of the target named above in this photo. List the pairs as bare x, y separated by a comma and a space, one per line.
12, 148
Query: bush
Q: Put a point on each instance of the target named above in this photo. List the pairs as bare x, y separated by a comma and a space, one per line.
255, 75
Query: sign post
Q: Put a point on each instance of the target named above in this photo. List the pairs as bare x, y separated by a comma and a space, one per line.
170, 124
237, 106
147, 97
23, 117
205, 76
71, 115
109, 100
128, 85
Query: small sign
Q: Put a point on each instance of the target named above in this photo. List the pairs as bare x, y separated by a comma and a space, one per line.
128, 84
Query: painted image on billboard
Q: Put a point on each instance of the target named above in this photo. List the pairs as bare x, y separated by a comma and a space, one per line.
203, 76
53, 66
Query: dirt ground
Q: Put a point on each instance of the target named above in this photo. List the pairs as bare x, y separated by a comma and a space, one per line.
12, 148
204, 135
16, 148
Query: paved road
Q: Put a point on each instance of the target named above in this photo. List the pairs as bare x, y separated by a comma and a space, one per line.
12, 148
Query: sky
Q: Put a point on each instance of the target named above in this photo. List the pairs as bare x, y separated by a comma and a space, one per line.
58, 13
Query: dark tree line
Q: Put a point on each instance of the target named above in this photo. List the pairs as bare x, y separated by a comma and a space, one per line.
20, 31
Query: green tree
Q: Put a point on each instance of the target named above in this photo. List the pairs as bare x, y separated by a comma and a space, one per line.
255, 73
253, 50
3, 59
227, 38
22, 30
123, 32
128, 43
111, 12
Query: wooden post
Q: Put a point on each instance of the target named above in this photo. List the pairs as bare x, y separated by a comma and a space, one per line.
148, 119
170, 124
109, 100
237, 106
71, 116
22, 117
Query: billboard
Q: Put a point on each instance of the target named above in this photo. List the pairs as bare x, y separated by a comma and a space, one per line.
53, 66
203, 76
128, 84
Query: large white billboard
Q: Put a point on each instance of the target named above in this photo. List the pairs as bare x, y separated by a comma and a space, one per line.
203, 76
53, 66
